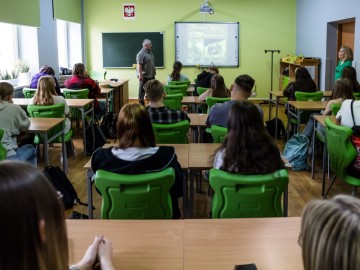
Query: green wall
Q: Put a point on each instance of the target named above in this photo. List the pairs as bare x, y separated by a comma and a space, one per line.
264, 24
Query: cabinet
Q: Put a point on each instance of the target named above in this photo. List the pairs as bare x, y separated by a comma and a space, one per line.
288, 66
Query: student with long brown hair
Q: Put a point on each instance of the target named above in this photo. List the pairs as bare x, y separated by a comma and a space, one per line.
176, 74
350, 73
137, 151
248, 148
217, 89
33, 224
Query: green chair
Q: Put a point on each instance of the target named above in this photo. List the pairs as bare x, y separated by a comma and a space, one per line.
139, 196
218, 133
211, 101
248, 196
76, 94
187, 83
171, 133
3, 151
29, 92
335, 107
341, 154
175, 89
173, 101
356, 95
201, 90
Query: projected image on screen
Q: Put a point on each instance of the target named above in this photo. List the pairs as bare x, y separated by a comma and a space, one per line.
207, 44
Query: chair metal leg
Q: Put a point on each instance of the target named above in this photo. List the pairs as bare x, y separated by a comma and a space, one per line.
353, 191
323, 186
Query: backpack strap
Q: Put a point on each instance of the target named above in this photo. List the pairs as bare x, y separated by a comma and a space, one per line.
352, 111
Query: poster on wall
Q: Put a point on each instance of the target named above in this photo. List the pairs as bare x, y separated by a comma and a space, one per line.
129, 11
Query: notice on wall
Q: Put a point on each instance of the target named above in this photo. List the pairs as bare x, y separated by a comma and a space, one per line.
129, 11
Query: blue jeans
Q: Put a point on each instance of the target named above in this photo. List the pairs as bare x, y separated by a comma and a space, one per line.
26, 153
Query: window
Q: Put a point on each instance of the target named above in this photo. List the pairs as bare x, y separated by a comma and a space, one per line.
8, 47
69, 43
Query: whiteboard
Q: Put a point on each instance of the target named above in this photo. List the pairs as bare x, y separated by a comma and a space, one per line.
207, 43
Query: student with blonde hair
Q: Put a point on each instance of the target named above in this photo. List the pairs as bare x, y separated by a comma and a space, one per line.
46, 95
330, 234
33, 224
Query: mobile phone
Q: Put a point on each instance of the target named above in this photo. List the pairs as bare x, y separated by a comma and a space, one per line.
250, 266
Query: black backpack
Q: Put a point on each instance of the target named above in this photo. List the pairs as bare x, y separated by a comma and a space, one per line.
108, 125
61, 183
93, 141
270, 126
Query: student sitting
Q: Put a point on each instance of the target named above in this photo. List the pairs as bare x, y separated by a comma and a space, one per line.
137, 152
46, 95
204, 78
303, 83
13, 120
45, 71
217, 89
159, 113
240, 90
330, 234
33, 224
176, 74
350, 73
248, 147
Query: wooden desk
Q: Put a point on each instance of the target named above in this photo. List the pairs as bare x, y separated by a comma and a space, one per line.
120, 93
300, 106
148, 244
193, 101
42, 126
182, 153
270, 243
209, 244
198, 123
79, 104
108, 93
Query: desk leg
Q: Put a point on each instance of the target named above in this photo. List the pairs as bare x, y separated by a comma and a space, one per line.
298, 122
83, 127
193, 173
186, 195
270, 105
276, 115
313, 150
285, 202
46, 149
89, 175
64, 155
323, 164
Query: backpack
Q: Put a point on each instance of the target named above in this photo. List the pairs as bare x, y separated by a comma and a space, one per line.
296, 150
270, 126
93, 143
61, 183
108, 125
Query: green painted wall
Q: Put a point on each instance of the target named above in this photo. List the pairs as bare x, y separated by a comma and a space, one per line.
264, 24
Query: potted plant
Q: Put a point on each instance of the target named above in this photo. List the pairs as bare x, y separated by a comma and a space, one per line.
21, 67
5, 76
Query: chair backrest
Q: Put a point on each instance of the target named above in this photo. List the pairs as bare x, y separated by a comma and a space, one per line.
247, 196
304, 96
339, 147
3, 151
211, 101
356, 95
28, 92
187, 83
171, 133
173, 101
201, 90
175, 89
335, 107
140, 196
75, 94
218, 133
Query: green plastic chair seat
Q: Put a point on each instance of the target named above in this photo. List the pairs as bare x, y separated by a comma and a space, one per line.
3, 151
218, 133
341, 153
173, 101
201, 90
187, 83
29, 92
175, 89
356, 95
211, 101
140, 196
76, 94
335, 107
247, 196
171, 133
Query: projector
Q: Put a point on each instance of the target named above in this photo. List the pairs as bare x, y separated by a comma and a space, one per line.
206, 8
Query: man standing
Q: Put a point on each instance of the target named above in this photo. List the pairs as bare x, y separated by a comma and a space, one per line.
145, 67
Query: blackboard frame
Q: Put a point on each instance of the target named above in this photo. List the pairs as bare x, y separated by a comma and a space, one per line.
119, 49
179, 51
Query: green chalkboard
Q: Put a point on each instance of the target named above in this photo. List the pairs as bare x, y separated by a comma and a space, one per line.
120, 49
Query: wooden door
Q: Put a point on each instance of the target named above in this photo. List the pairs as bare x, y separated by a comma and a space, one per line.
346, 35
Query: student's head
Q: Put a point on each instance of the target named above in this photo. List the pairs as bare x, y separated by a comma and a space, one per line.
45, 90
154, 90
48, 70
134, 127
218, 87
349, 73
345, 53
213, 70
342, 89
32, 220
177, 66
330, 234
6, 90
175, 74
301, 73
244, 84
79, 70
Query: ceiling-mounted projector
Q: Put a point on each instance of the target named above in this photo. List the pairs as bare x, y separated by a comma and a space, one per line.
206, 7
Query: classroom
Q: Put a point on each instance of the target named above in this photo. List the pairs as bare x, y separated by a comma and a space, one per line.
61, 33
